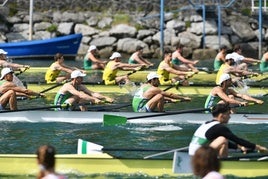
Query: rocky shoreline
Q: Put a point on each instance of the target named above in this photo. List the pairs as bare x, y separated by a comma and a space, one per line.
103, 30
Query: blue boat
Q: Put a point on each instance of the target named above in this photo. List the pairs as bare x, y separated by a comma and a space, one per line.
67, 45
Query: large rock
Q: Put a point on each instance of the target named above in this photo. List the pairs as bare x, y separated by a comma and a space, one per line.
103, 41
66, 28
242, 30
123, 30
189, 39
85, 30
128, 45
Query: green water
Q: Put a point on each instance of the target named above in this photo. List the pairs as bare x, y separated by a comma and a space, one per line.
24, 138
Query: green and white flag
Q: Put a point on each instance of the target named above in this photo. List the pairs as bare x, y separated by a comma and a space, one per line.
85, 147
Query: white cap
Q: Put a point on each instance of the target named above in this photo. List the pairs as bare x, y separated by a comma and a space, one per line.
77, 73
115, 55
4, 72
152, 75
92, 47
224, 77
228, 56
3, 52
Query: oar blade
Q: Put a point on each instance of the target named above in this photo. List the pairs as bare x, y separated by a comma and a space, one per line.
112, 120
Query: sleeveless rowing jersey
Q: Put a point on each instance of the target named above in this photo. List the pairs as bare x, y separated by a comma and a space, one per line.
220, 72
211, 101
217, 64
263, 65
199, 138
109, 75
163, 75
51, 75
176, 61
139, 102
87, 63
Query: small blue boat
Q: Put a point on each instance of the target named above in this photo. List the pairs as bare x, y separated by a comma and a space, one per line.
67, 45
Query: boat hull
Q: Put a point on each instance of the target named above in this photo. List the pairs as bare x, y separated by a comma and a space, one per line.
104, 164
67, 45
78, 117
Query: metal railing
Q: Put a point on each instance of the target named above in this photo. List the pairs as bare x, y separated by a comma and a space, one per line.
255, 5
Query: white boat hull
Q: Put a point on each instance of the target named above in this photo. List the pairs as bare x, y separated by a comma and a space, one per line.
97, 117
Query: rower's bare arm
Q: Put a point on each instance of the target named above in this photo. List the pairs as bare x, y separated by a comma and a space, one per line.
249, 98
94, 59
226, 98
251, 60
176, 72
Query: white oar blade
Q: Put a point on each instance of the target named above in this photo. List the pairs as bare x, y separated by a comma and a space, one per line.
85, 147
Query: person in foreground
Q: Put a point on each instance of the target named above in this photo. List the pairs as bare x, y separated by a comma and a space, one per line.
91, 61
216, 134
110, 72
166, 68
150, 97
182, 63
136, 58
74, 92
53, 72
205, 163
46, 161
9, 90
224, 94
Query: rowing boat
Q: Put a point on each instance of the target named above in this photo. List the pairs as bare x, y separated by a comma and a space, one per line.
103, 164
125, 89
97, 117
36, 75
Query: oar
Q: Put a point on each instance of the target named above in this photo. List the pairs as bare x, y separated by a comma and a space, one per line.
36, 109
87, 147
111, 120
167, 152
54, 86
22, 71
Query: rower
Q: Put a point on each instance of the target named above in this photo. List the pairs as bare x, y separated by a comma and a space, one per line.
91, 60
229, 68
150, 97
4, 62
166, 68
136, 58
110, 72
53, 72
224, 94
216, 134
182, 63
10, 90
241, 61
75, 93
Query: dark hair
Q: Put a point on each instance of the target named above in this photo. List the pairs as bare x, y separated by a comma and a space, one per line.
223, 47
220, 108
167, 51
179, 46
236, 48
46, 156
139, 48
58, 56
205, 160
